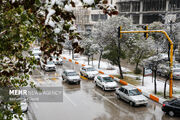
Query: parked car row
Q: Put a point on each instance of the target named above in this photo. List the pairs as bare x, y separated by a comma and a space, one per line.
164, 70
106, 83
127, 93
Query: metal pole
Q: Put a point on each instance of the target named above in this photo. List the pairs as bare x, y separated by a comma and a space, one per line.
171, 53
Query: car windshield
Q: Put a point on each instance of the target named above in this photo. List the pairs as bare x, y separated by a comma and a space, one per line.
91, 69
36, 54
36, 49
54, 57
50, 63
134, 92
72, 74
107, 79
177, 65
176, 70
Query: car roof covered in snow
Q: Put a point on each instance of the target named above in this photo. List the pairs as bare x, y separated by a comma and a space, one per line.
103, 75
129, 87
69, 70
88, 66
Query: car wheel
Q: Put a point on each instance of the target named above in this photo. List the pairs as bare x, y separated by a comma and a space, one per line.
131, 103
96, 83
78, 82
81, 74
171, 113
103, 88
118, 96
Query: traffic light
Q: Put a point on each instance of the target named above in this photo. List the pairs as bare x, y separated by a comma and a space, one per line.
145, 28
119, 30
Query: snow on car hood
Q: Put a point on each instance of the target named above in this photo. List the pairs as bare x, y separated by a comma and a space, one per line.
50, 65
138, 97
36, 56
110, 84
92, 72
73, 77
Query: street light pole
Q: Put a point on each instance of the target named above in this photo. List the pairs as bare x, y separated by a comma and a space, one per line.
171, 53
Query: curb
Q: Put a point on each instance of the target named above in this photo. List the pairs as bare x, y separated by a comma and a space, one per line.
149, 95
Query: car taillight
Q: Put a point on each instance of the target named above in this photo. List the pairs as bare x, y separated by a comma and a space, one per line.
164, 105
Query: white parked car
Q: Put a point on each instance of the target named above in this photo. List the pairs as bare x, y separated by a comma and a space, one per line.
164, 70
131, 95
88, 72
71, 76
176, 73
105, 82
36, 55
36, 50
47, 66
57, 60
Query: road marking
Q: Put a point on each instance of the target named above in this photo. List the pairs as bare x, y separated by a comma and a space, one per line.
39, 80
55, 79
109, 101
65, 95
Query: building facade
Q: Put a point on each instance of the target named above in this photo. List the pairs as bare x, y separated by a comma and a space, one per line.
148, 11
87, 17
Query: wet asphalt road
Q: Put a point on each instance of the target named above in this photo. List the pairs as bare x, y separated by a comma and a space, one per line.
88, 102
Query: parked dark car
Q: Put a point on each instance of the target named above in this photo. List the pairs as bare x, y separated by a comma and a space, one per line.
172, 107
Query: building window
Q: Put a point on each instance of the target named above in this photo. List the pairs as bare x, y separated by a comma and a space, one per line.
135, 6
124, 7
174, 5
103, 17
94, 17
154, 5
150, 18
135, 18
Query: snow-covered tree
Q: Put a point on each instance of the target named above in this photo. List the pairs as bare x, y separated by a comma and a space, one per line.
22, 22
90, 47
140, 50
108, 35
161, 45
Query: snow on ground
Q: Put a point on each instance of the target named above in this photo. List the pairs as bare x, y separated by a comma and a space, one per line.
148, 83
106, 67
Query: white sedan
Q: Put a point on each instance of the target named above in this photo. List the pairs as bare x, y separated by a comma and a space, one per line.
57, 60
131, 95
105, 82
47, 66
88, 72
71, 76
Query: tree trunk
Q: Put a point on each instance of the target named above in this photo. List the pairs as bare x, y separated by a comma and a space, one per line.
73, 54
69, 52
137, 66
155, 86
120, 71
143, 76
88, 59
92, 59
99, 59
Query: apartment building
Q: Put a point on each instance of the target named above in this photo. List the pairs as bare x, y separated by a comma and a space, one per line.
148, 11
87, 17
